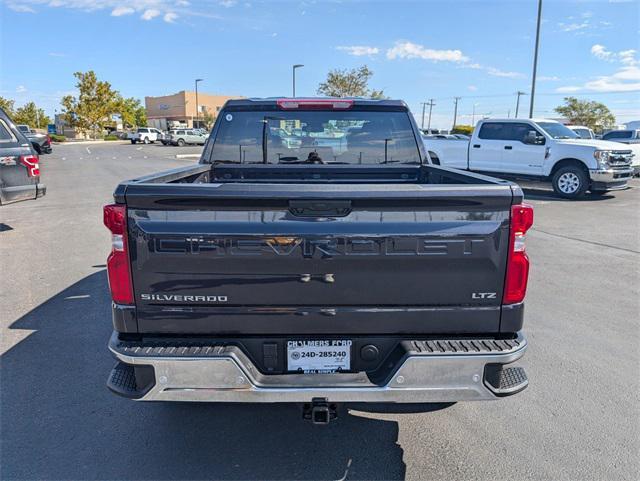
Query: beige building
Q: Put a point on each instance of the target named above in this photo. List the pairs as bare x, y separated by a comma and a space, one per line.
179, 109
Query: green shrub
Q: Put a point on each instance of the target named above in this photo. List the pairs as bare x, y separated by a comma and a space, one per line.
57, 138
462, 129
111, 137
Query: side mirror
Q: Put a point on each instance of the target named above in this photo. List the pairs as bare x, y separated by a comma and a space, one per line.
532, 138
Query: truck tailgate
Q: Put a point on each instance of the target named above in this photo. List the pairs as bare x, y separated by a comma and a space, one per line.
224, 258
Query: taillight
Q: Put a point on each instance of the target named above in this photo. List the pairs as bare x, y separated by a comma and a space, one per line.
518, 263
335, 104
31, 162
115, 218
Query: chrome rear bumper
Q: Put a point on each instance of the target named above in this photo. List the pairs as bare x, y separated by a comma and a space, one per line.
227, 375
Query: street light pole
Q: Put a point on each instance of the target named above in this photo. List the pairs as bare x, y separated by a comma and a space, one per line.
535, 60
298, 65
197, 105
518, 93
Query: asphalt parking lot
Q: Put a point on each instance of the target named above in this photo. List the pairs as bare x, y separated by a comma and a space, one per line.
578, 420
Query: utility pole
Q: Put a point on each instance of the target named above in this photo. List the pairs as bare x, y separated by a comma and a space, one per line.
424, 105
473, 115
430, 104
298, 65
535, 60
455, 111
518, 93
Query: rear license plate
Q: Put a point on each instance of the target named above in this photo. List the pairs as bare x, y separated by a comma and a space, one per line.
319, 356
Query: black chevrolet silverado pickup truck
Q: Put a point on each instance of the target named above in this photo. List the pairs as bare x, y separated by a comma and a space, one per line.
314, 255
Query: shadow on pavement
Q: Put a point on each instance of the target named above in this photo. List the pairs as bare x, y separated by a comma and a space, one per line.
59, 421
542, 194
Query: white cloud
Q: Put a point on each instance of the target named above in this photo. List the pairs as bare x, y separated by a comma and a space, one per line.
501, 73
57, 54
169, 10
122, 10
548, 78
409, 50
21, 89
625, 79
17, 7
228, 3
568, 89
413, 50
472, 88
359, 50
169, 17
574, 27
628, 57
150, 13
601, 52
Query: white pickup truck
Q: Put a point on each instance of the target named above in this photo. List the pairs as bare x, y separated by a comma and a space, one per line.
145, 135
540, 150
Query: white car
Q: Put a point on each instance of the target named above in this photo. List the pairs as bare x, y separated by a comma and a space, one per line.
145, 135
540, 150
632, 139
582, 131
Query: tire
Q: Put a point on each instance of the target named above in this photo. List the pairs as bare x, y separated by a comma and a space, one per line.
146, 140
181, 143
570, 182
133, 142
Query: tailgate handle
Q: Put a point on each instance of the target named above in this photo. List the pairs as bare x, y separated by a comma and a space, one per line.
320, 208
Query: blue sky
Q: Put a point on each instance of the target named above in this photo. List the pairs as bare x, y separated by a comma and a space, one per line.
480, 51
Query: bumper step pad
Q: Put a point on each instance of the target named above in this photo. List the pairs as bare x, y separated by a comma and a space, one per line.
505, 381
123, 381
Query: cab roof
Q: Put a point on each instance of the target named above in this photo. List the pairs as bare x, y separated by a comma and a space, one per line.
274, 102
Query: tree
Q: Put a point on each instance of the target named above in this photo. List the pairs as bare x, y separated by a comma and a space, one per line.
31, 115
208, 118
132, 112
91, 110
7, 106
594, 115
349, 83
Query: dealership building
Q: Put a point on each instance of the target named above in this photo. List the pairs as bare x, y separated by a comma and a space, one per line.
179, 110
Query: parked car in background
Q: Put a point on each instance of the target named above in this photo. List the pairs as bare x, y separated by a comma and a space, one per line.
626, 136
122, 135
582, 131
145, 135
19, 164
186, 137
631, 138
538, 150
41, 142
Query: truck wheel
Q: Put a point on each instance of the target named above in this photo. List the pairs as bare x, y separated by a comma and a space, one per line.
181, 142
146, 140
570, 182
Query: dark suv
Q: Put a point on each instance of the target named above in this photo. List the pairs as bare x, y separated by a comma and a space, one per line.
19, 165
